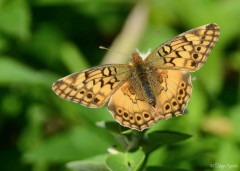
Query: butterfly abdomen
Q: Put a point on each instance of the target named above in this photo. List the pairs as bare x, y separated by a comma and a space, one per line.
149, 93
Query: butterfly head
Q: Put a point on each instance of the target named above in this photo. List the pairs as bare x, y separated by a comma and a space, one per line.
136, 58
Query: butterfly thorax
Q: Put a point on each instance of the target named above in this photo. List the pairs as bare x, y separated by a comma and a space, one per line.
141, 71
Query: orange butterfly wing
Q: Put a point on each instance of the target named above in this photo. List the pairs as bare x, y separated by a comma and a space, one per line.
92, 87
186, 52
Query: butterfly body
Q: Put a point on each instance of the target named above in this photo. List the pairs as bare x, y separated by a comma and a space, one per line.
142, 73
140, 94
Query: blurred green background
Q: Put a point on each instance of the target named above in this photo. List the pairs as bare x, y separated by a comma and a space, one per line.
44, 40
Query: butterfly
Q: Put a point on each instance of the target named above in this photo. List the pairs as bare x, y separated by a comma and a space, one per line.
140, 94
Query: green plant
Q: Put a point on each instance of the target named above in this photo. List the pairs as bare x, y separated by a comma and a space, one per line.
133, 152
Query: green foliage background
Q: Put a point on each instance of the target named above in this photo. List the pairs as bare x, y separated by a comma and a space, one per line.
44, 40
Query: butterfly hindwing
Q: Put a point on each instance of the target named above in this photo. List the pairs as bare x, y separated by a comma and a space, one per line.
175, 93
129, 107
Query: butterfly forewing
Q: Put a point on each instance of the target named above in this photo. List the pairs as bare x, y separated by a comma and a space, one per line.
92, 87
186, 52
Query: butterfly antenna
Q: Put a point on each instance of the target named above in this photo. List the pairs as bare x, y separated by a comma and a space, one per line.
102, 47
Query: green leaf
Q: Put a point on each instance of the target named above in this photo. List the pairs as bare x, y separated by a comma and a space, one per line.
167, 137
235, 117
77, 143
14, 72
110, 125
45, 44
3, 43
129, 161
159, 138
73, 58
15, 19
9, 109
96, 163
114, 127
